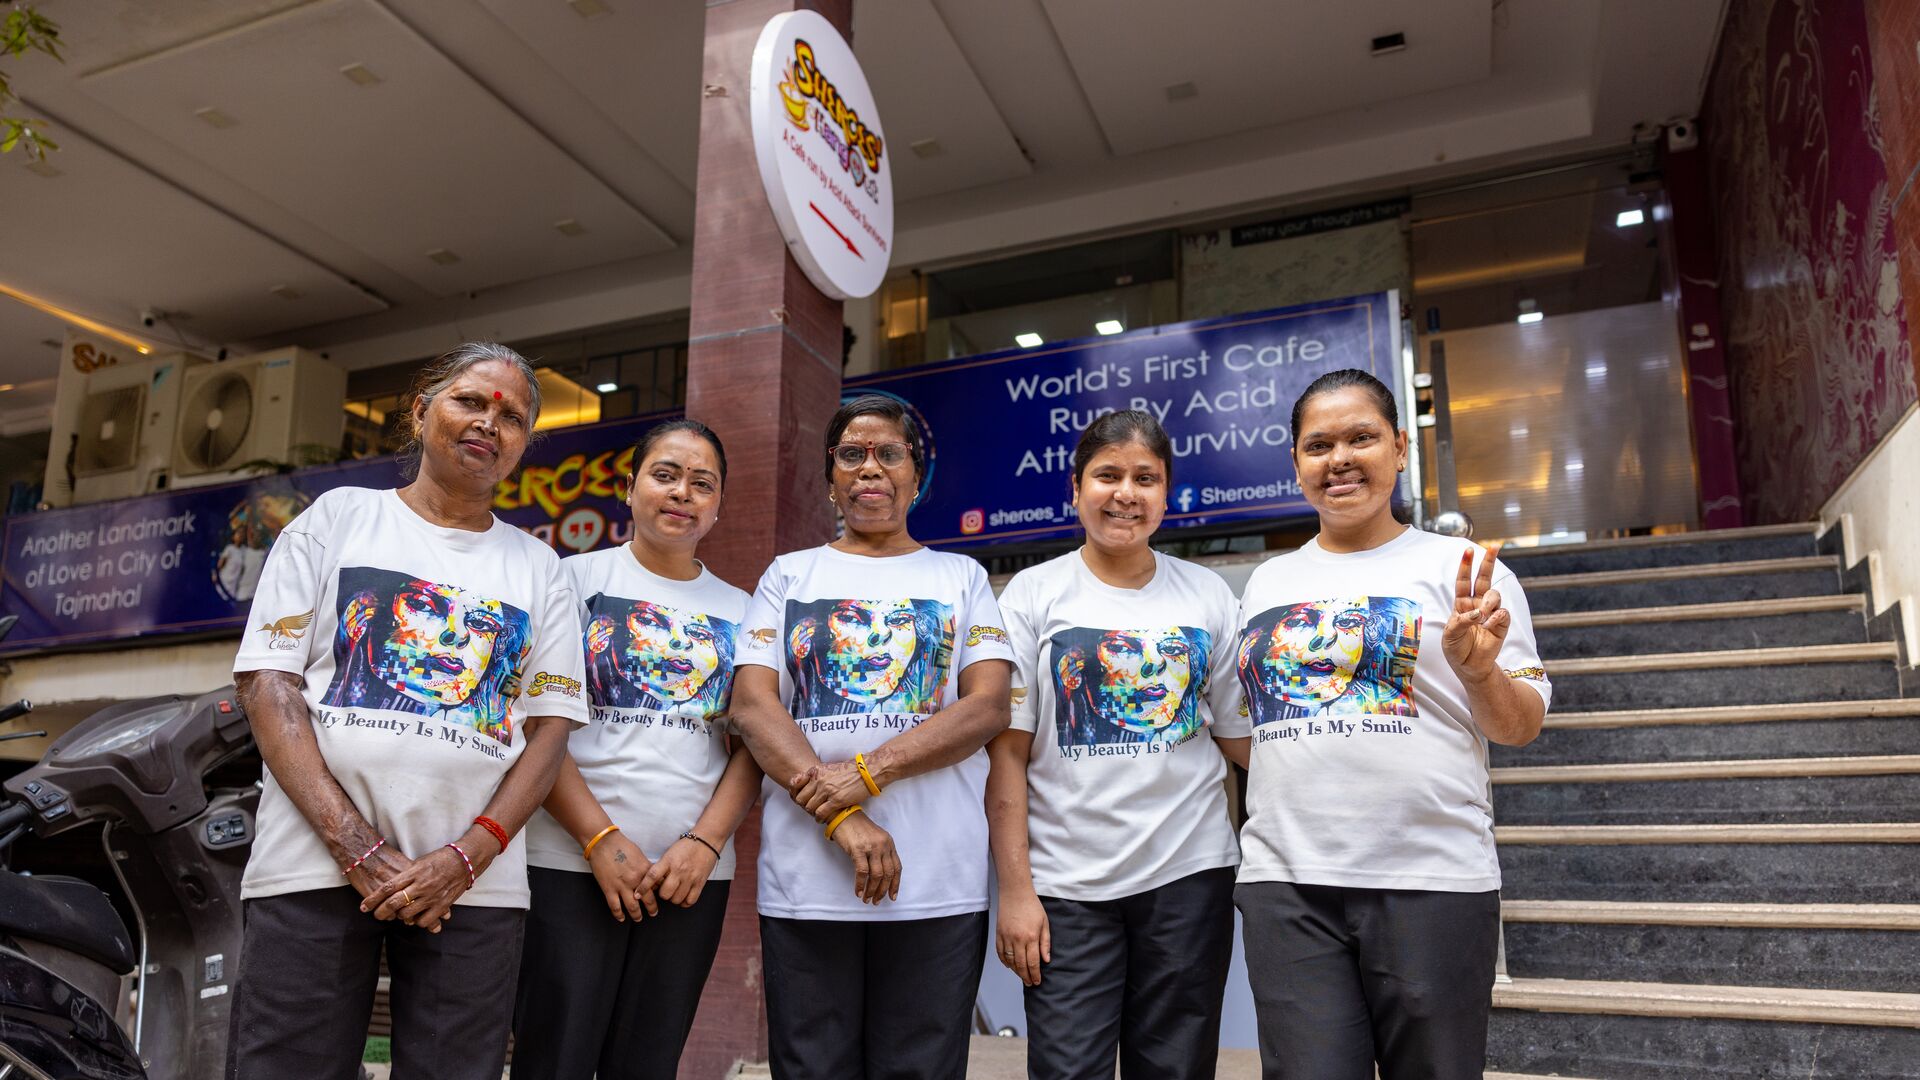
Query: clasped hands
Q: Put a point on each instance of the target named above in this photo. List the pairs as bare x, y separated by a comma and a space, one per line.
419, 892
824, 791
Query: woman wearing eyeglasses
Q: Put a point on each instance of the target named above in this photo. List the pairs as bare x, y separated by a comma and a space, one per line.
870, 674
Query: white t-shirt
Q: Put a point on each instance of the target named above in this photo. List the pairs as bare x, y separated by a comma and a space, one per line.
423, 648
867, 648
659, 657
1368, 770
1125, 691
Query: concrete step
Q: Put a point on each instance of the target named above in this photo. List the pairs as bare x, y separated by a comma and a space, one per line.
1861, 862
1865, 788
1798, 620
1706, 583
1723, 945
1823, 673
1720, 545
1686, 1031
1804, 729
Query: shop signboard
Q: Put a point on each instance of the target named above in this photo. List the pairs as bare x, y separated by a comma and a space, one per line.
187, 561
1000, 428
822, 154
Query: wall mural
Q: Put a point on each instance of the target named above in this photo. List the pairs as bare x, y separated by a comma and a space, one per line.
1816, 333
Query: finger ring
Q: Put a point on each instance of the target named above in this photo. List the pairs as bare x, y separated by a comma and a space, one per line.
408, 899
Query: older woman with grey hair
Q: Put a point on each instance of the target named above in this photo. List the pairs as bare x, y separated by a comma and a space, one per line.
412, 669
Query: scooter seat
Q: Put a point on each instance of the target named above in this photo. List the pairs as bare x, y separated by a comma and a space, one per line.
66, 912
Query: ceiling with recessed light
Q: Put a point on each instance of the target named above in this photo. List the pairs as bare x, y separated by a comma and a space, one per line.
381, 177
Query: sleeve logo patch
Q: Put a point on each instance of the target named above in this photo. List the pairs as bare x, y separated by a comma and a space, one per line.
978, 634
285, 634
1527, 673
1018, 695
546, 680
763, 637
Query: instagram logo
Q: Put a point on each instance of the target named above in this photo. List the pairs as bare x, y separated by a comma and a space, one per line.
972, 522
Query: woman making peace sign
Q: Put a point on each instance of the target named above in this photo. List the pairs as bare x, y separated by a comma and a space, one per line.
1377, 662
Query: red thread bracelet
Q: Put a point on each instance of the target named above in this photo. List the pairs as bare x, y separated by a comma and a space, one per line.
463, 858
377, 845
493, 827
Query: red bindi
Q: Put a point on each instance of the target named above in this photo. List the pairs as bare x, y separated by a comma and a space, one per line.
496, 395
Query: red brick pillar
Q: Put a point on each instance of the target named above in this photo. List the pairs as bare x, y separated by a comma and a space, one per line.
763, 370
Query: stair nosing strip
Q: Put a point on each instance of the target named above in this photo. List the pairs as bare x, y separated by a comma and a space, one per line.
1865, 709
1874, 1008
1627, 543
1729, 609
1764, 916
1640, 835
1790, 565
1726, 769
1852, 653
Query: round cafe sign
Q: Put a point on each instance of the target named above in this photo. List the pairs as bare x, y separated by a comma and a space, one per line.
823, 159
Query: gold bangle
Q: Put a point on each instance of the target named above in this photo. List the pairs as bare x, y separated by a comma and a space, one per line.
840, 817
587, 852
860, 762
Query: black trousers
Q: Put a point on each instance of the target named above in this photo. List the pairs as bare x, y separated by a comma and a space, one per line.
309, 964
604, 998
871, 1000
1343, 978
1144, 975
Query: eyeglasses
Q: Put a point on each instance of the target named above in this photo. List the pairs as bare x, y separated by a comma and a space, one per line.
854, 455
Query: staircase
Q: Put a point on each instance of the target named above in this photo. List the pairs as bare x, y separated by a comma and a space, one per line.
1712, 853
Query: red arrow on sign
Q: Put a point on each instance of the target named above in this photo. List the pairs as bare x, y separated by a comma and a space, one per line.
837, 232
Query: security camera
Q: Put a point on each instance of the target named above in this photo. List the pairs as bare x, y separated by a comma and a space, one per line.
149, 316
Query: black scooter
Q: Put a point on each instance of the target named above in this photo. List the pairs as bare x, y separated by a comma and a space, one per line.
177, 844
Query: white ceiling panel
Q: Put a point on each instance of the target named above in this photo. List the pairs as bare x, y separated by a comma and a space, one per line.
98, 33
926, 90
420, 160
106, 239
1256, 63
639, 62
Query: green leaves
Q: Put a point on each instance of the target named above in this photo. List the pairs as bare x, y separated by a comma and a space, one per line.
25, 30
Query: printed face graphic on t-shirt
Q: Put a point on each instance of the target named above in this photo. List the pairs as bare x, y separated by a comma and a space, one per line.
424, 647
868, 655
1350, 654
1128, 685
650, 656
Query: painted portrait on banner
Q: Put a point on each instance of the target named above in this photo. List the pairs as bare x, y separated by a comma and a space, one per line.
422, 647
1128, 686
1350, 655
868, 656
642, 655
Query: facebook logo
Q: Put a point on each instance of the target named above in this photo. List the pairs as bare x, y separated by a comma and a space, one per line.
1183, 497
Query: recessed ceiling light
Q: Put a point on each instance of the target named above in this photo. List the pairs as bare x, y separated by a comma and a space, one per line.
1108, 327
569, 227
285, 292
589, 9
607, 387
927, 148
1561, 531
443, 256
1389, 43
1596, 369
1576, 465
1530, 317
43, 168
4, 387
360, 75
1629, 218
214, 118
1028, 340
1182, 91
1513, 509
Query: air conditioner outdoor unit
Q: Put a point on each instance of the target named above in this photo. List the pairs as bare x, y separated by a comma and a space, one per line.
113, 426
255, 409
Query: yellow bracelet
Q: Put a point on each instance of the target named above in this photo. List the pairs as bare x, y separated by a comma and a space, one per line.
860, 762
840, 817
587, 852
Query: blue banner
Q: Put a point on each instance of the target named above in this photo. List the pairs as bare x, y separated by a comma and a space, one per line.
1001, 428
186, 561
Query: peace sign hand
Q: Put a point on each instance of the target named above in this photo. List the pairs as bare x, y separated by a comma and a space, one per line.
1478, 626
